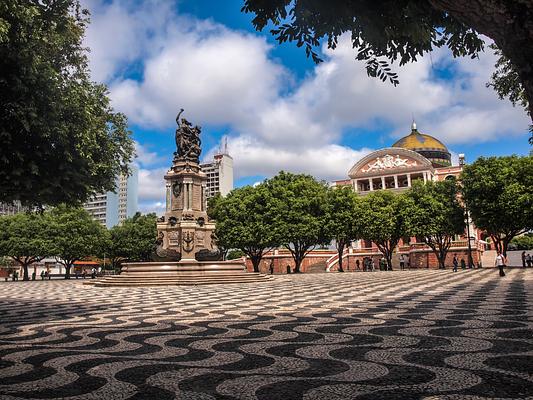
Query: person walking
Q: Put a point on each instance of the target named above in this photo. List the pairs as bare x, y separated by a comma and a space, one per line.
455, 263
529, 260
382, 264
524, 259
357, 263
402, 262
500, 261
271, 267
463, 263
42, 275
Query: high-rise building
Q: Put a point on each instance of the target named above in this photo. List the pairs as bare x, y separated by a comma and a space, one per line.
219, 173
110, 208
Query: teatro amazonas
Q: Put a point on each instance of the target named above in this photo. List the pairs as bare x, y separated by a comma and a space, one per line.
415, 156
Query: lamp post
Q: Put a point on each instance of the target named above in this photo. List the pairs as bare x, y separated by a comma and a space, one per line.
468, 236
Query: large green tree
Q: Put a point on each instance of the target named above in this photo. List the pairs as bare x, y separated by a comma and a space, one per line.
385, 220
436, 215
403, 30
297, 206
244, 221
61, 139
76, 235
498, 191
343, 218
133, 240
24, 237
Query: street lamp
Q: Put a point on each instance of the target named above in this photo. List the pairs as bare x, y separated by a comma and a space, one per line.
470, 261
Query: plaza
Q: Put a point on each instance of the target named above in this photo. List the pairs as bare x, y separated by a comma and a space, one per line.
420, 334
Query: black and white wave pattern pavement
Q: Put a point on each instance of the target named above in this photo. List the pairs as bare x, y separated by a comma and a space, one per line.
382, 335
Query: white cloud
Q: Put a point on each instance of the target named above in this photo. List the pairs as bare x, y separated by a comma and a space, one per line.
226, 77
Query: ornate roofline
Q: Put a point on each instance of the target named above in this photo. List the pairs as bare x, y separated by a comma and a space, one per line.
423, 163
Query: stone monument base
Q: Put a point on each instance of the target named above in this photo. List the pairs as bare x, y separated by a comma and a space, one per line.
184, 272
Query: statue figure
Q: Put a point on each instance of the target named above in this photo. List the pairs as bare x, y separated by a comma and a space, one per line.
187, 140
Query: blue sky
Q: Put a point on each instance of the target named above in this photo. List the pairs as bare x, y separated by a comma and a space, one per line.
276, 107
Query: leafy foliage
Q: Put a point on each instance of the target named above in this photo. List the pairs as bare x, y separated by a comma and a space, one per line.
297, 202
76, 235
343, 218
381, 31
385, 220
522, 242
244, 221
25, 238
436, 215
133, 240
61, 140
499, 194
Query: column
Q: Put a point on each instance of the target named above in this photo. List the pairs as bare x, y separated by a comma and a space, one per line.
383, 182
371, 184
191, 187
356, 185
396, 181
424, 176
185, 196
169, 197
408, 180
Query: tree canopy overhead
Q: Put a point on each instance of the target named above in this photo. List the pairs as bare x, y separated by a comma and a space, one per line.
403, 30
61, 139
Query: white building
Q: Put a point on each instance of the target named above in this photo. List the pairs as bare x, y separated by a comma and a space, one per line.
219, 174
110, 208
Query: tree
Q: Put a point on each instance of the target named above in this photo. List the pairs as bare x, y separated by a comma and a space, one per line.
385, 223
24, 238
436, 215
522, 242
133, 240
76, 235
402, 30
244, 221
498, 191
342, 218
61, 139
297, 213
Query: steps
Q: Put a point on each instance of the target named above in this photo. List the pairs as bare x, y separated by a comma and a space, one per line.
188, 272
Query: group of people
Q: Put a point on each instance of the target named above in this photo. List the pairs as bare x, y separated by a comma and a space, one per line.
527, 260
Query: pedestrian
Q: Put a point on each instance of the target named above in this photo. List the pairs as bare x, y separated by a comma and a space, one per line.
382, 264
33, 274
357, 264
16, 275
529, 260
42, 275
372, 265
272, 267
402, 262
524, 259
500, 261
84, 274
288, 269
463, 263
455, 263
93, 273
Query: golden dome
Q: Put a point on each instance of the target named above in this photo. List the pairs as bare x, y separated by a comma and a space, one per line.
419, 141
426, 145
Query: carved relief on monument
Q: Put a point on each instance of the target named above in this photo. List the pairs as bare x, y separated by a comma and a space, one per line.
388, 162
188, 241
174, 238
200, 236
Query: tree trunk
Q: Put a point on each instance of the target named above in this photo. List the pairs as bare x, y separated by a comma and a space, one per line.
25, 276
340, 251
67, 270
508, 23
255, 262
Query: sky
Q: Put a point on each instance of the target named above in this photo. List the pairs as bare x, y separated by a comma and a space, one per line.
277, 109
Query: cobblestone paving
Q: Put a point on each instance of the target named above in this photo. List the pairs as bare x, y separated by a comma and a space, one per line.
382, 335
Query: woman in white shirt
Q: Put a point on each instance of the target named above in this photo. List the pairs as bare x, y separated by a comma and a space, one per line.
500, 262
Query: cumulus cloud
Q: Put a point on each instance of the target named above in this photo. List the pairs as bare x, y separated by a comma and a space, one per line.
227, 77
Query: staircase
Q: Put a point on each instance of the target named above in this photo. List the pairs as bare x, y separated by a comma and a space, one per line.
180, 273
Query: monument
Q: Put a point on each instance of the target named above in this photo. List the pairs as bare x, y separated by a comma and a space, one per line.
186, 252
185, 232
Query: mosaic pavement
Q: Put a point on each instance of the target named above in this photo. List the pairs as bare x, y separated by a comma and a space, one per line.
382, 335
